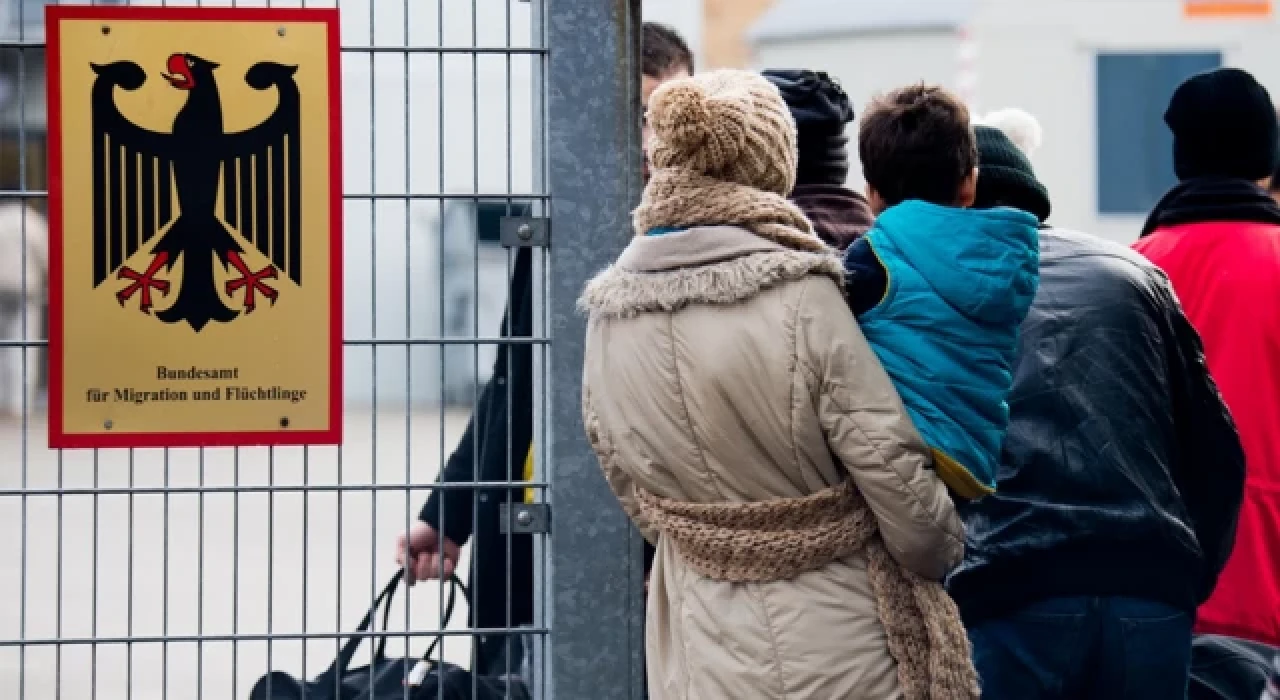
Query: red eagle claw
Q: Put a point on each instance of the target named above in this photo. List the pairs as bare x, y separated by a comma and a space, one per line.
251, 281
144, 282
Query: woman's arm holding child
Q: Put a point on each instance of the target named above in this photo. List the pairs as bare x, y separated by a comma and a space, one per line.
868, 429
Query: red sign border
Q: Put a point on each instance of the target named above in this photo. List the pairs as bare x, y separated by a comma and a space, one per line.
58, 437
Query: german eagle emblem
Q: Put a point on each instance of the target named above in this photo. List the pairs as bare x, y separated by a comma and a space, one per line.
162, 190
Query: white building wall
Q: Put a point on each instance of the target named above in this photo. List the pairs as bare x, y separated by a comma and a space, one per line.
1040, 55
393, 132
867, 65
393, 252
685, 16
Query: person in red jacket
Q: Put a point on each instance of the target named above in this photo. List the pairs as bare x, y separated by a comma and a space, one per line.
1217, 236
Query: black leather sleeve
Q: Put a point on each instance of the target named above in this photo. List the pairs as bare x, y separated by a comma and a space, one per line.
496, 441
450, 511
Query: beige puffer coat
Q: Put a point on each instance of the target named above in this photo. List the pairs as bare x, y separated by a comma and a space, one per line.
723, 367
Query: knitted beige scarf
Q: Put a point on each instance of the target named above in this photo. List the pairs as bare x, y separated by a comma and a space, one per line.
781, 539
680, 198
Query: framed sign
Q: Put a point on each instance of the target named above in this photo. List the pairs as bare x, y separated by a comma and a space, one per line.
195, 210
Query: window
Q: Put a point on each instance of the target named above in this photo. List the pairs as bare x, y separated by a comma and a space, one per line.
23, 155
1135, 148
23, 151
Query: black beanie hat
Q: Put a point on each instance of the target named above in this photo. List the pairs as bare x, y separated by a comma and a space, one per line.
1223, 125
1005, 176
821, 110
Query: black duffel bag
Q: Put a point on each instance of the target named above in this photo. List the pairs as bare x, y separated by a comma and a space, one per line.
390, 679
1226, 668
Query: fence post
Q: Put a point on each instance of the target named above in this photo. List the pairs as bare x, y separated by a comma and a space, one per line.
593, 176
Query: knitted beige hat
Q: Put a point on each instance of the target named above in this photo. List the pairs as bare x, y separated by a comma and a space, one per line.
730, 125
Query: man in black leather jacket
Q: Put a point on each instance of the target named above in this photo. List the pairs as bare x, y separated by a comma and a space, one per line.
1120, 483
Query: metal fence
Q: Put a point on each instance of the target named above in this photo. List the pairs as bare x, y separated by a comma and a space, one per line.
189, 573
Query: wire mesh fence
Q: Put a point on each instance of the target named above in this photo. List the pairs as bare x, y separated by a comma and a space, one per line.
191, 572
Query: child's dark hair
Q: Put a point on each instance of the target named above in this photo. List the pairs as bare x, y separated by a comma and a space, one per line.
663, 51
916, 142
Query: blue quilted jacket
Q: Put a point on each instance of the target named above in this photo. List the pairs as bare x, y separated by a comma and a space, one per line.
948, 288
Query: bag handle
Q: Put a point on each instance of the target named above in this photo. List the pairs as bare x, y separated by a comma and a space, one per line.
420, 670
348, 651
383, 601
455, 584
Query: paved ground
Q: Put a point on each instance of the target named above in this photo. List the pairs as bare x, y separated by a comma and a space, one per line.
188, 565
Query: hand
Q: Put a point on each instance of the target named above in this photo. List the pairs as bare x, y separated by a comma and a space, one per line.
425, 555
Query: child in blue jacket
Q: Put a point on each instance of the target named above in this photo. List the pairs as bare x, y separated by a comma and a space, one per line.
940, 290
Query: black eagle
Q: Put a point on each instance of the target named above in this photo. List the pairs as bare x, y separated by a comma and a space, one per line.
137, 173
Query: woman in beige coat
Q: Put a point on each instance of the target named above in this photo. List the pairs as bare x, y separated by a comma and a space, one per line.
748, 430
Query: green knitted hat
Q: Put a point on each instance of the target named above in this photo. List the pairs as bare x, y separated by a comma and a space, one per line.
1005, 176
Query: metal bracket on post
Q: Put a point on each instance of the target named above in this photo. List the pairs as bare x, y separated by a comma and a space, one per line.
524, 232
524, 518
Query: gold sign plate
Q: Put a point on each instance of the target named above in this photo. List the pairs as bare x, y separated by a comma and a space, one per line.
195, 209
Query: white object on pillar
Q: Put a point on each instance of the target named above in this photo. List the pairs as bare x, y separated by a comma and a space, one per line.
1021, 127
967, 65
